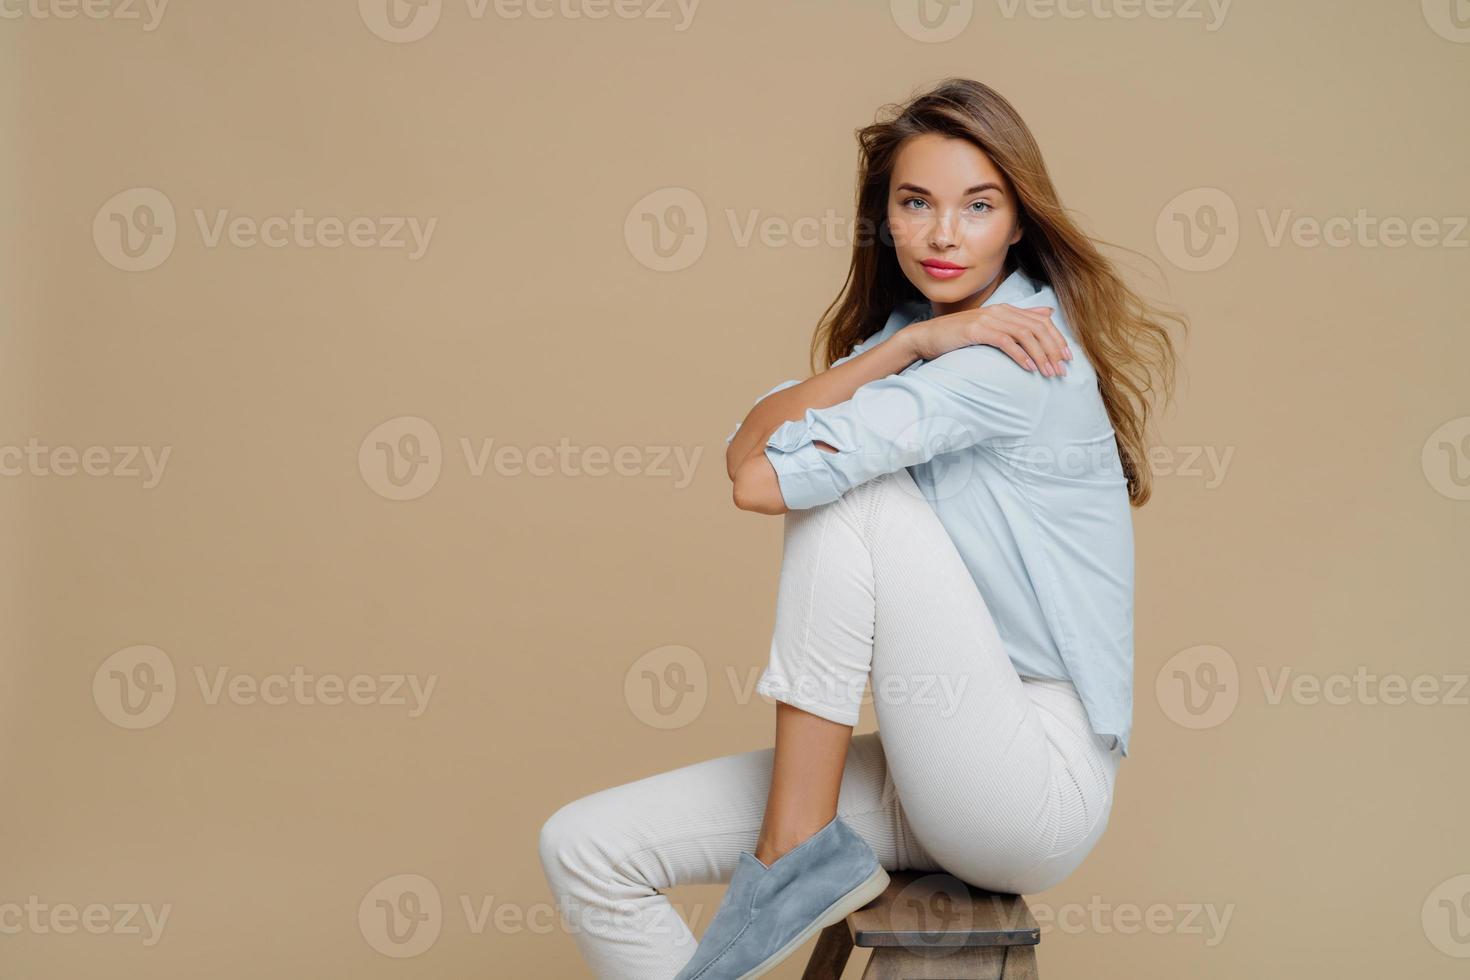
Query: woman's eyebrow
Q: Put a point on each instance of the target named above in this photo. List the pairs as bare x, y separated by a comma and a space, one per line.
967, 192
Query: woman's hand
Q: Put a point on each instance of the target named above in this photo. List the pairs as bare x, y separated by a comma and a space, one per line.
1027, 335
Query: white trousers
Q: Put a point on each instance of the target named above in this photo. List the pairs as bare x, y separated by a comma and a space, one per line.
974, 770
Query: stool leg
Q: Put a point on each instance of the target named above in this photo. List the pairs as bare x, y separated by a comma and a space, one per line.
1020, 963
829, 957
953, 963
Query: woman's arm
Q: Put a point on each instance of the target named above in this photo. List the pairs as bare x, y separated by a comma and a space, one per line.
798, 453
836, 384
967, 396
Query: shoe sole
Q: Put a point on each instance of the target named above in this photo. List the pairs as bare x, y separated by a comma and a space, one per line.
833, 914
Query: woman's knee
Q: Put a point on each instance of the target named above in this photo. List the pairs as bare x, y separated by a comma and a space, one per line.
856, 511
869, 498
574, 840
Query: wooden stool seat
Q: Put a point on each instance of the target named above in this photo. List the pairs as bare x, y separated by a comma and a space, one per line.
933, 925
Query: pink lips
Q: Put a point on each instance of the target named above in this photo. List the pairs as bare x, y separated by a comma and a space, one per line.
942, 270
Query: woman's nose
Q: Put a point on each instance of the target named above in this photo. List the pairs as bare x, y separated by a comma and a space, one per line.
942, 234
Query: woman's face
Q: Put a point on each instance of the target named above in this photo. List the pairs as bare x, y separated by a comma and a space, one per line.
953, 218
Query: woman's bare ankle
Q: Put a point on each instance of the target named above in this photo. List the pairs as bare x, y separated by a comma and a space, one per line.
770, 848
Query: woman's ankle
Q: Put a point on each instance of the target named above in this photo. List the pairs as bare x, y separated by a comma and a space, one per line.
773, 846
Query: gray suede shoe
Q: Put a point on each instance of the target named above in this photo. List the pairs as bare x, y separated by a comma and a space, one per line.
768, 912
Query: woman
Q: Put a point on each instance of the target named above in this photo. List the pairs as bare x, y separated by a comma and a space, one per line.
956, 489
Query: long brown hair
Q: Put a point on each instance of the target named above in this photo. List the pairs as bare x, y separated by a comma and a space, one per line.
1124, 336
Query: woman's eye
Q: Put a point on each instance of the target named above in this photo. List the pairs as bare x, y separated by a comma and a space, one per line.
983, 206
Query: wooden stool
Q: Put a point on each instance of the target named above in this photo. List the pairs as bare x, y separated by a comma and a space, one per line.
932, 925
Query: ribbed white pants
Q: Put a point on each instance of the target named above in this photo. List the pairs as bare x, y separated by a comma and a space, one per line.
974, 770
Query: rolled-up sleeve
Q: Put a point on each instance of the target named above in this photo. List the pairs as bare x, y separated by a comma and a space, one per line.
968, 396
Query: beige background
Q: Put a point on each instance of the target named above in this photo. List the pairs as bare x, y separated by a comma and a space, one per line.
1328, 539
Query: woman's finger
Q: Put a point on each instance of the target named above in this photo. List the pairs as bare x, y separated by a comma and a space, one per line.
1056, 344
1018, 354
1060, 338
1025, 329
1022, 334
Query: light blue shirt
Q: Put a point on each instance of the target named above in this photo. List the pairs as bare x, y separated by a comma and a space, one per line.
1024, 473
